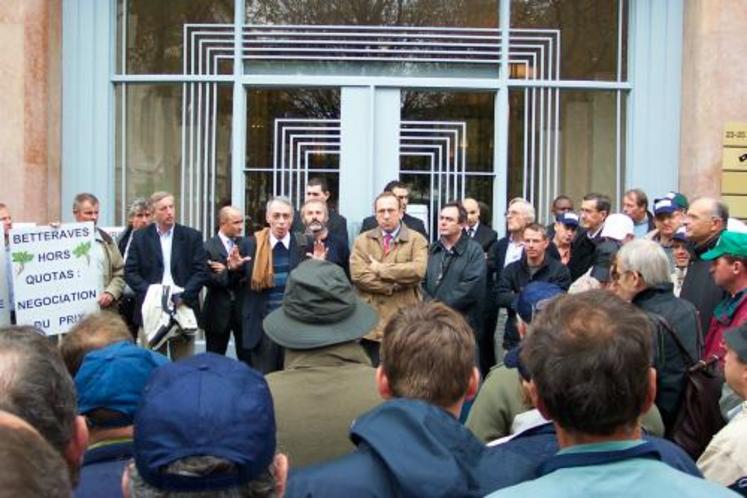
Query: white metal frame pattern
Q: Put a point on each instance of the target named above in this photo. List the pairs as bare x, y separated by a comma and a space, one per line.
443, 144
533, 53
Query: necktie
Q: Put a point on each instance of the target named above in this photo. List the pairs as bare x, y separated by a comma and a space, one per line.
471, 233
388, 242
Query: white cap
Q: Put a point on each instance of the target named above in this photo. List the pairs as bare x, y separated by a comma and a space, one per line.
618, 226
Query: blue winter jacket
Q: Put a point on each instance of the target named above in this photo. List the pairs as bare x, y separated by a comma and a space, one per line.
405, 448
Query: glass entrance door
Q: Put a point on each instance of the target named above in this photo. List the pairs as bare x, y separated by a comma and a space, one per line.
440, 143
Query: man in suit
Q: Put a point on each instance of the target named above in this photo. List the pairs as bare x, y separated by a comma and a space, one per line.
508, 249
266, 260
221, 313
487, 238
167, 253
318, 189
402, 192
594, 211
138, 216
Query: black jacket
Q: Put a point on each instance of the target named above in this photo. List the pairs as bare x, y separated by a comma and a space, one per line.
406, 448
411, 222
669, 362
457, 278
582, 253
223, 290
336, 225
699, 287
254, 303
144, 265
515, 277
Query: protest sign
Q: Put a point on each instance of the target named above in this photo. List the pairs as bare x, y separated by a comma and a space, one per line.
114, 232
55, 280
4, 291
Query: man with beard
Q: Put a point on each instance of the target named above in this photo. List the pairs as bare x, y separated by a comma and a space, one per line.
323, 244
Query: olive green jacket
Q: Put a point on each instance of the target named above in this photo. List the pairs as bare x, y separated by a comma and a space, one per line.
317, 397
500, 399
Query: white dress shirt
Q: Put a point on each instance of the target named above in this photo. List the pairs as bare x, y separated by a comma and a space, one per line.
167, 240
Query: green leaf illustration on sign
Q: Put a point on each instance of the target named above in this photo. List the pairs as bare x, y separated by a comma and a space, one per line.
22, 257
82, 250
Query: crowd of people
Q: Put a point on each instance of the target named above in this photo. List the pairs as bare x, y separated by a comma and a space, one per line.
600, 355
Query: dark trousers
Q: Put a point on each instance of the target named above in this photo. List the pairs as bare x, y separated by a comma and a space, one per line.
127, 307
372, 350
267, 356
217, 337
486, 340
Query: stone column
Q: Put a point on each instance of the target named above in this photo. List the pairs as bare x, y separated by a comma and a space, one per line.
30, 89
714, 88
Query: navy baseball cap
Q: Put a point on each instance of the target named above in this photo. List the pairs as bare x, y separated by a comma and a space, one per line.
206, 405
569, 218
533, 298
680, 234
665, 205
113, 378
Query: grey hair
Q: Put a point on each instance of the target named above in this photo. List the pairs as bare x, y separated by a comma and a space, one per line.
529, 213
280, 199
79, 199
316, 201
261, 487
36, 386
646, 258
138, 206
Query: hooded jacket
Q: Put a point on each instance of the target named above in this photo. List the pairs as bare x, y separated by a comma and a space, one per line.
405, 448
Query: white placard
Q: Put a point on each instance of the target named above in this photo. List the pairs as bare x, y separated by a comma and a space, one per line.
114, 232
4, 291
55, 279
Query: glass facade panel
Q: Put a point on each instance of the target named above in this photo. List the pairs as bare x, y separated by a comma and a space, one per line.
566, 146
446, 143
442, 13
153, 136
155, 35
588, 32
292, 135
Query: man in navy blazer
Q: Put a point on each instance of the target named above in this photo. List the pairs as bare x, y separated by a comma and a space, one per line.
171, 254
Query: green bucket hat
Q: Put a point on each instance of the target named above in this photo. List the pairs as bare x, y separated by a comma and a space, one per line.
320, 308
730, 243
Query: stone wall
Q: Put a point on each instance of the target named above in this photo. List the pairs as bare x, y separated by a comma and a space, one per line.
30, 91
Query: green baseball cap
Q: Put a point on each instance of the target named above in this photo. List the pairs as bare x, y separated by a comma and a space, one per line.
731, 244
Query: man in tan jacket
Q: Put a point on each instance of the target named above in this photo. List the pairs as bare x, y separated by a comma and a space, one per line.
387, 265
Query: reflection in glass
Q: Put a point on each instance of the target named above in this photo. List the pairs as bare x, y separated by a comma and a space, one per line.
149, 150
292, 135
454, 13
573, 155
588, 34
155, 35
446, 141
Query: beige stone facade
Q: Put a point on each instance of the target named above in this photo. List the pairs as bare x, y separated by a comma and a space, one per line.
714, 91
30, 106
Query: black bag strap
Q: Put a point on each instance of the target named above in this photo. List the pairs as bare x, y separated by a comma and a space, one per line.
663, 323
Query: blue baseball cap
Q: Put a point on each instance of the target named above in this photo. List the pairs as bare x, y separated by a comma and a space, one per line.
206, 405
534, 297
113, 378
665, 205
680, 234
569, 218
679, 200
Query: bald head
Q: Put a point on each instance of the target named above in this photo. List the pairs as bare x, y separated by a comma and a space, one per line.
473, 211
706, 218
231, 222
